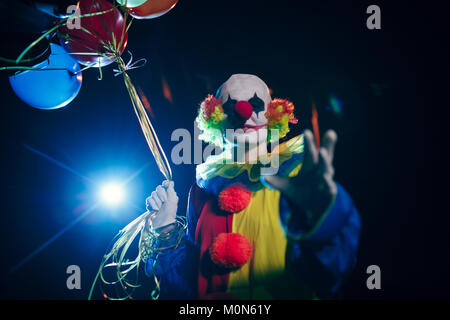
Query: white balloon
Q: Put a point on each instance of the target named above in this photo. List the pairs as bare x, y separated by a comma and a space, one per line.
131, 3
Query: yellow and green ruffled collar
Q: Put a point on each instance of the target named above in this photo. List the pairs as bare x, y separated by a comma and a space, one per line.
216, 166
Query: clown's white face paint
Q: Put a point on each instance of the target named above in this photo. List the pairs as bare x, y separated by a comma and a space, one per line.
253, 134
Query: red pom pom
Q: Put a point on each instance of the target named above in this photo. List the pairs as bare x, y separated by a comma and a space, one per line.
230, 250
234, 199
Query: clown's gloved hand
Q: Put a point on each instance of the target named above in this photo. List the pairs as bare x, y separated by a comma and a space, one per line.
164, 203
313, 190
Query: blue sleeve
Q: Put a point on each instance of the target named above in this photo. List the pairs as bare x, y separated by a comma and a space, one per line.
325, 257
177, 269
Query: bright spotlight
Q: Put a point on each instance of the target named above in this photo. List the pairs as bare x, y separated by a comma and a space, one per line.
112, 194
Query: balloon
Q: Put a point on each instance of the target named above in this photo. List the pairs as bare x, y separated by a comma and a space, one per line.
16, 43
49, 89
131, 3
102, 29
56, 8
152, 9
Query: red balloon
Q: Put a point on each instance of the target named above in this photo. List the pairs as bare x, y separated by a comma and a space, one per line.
98, 39
152, 9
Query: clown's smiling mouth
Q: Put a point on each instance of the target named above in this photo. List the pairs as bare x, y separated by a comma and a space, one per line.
248, 127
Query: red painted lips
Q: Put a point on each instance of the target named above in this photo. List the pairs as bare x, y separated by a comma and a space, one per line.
248, 127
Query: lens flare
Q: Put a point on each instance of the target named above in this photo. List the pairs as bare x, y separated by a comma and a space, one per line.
112, 194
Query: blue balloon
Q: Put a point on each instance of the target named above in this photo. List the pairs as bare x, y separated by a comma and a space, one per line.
49, 89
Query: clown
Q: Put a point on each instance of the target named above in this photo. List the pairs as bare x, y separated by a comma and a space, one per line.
250, 235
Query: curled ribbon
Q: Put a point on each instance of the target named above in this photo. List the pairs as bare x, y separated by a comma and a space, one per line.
131, 65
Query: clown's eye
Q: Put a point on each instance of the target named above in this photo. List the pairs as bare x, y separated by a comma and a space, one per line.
257, 103
228, 107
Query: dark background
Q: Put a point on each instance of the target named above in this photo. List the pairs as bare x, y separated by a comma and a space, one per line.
390, 154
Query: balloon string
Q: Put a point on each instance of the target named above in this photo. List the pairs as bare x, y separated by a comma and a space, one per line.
25, 60
131, 65
35, 42
54, 28
32, 68
100, 72
125, 28
146, 125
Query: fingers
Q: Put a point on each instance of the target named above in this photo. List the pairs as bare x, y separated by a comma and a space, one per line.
332, 186
329, 142
158, 197
325, 165
326, 154
311, 155
151, 204
171, 190
322, 165
165, 183
323, 157
161, 193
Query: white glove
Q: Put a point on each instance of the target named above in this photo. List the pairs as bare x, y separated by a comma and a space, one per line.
313, 189
164, 202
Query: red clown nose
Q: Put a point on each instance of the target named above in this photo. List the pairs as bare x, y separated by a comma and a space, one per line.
243, 109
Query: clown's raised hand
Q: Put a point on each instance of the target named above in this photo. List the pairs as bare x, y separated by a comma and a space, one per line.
313, 190
164, 203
